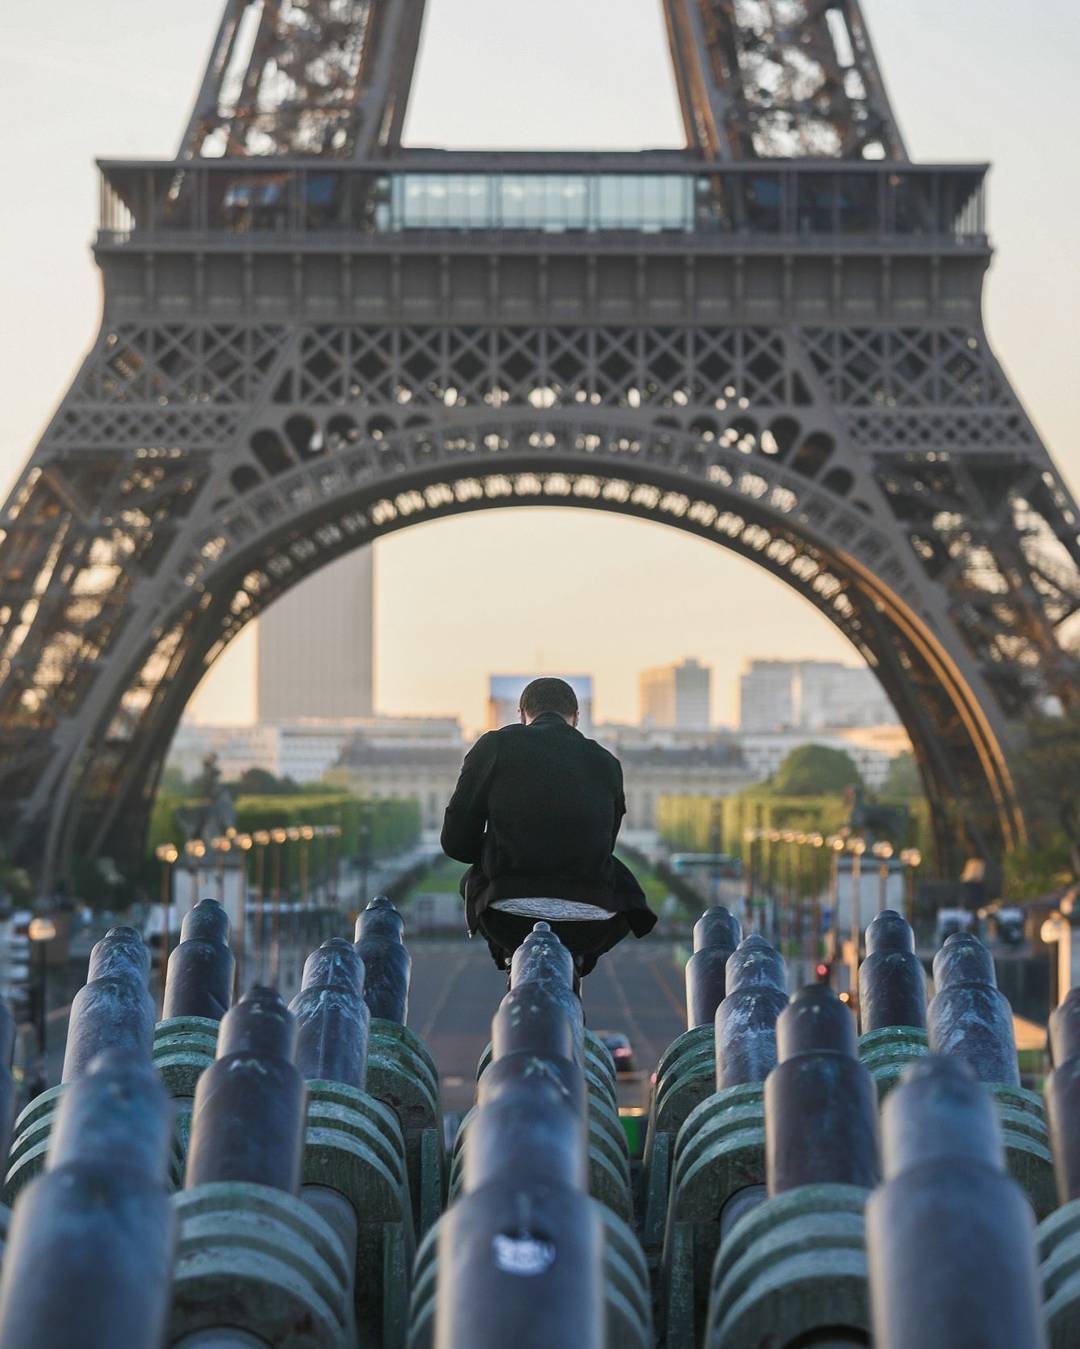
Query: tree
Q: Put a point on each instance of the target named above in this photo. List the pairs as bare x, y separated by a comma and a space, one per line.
1047, 779
815, 770
902, 778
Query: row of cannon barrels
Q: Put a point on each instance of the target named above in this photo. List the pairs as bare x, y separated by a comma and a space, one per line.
250, 1175
803, 1184
272, 1174
536, 1247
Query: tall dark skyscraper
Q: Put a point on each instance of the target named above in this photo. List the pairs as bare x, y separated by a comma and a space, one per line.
317, 644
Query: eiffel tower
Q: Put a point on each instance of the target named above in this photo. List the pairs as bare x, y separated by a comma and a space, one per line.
312, 336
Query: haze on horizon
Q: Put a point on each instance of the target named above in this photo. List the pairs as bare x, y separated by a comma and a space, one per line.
553, 588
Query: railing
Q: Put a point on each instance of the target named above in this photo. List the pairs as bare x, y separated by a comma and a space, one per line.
797, 201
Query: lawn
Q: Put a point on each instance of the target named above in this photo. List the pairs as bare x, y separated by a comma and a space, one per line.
441, 879
444, 877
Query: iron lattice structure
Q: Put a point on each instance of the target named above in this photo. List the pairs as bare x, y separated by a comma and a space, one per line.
312, 337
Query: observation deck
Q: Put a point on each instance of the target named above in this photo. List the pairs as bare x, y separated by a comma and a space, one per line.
650, 200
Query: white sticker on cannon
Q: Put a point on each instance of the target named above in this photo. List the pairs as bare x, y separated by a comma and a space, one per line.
524, 1255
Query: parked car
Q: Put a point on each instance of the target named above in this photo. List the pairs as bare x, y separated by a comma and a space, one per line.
620, 1049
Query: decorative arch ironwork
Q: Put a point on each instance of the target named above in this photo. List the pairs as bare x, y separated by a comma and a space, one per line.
265, 537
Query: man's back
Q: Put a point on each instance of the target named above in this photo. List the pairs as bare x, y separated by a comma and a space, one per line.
551, 801
536, 811
554, 807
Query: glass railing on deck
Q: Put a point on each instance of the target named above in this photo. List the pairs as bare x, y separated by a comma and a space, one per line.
801, 201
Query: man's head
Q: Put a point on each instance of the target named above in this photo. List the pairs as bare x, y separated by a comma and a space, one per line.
548, 695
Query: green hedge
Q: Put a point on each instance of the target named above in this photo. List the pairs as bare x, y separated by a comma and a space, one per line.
394, 825
688, 823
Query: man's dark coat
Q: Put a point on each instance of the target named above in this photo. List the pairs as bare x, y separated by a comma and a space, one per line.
537, 810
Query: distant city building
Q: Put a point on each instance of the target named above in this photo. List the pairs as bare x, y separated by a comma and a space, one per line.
718, 769
834, 695
767, 696
504, 696
765, 751
316, 645
676, 695
810, 695
423, 769
304, 750
890, 740
237, 748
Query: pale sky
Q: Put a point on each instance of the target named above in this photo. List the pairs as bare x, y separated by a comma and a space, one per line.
566, 590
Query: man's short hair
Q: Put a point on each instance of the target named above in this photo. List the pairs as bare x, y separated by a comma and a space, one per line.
548, 695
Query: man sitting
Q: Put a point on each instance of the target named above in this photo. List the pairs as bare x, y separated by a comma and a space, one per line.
536, 812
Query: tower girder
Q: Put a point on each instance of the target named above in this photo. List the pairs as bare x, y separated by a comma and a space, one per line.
312, 337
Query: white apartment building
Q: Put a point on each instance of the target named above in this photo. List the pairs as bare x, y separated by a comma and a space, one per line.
810, 695
831, 695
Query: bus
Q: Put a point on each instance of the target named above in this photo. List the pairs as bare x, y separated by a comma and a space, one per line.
707, 865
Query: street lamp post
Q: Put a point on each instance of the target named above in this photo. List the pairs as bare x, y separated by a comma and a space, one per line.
245, 842
771, 837
335, 866
800, 843
882, 851
750, 838
835, 844
716, 824
167, 855
261, 838
307, 833
911, 858
817, 842
787, 912
279, 836
194, 852
293, 894
856, 846
221, 846
41, 931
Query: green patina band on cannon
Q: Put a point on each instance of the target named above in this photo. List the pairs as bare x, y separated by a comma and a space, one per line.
609, 1157
1059, 1262
718, 1155
970, 1019
1027, 1145
402, 1074
598, 1064
686, 1073
609, 1153
685, 1076
792, 1270
793, 1266
184, 1047
254, 1257
353, 1145
719, 1152
1059, 1235
33, 1129
885, 1053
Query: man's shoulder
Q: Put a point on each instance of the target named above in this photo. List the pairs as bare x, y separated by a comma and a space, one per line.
604, 755
503, 732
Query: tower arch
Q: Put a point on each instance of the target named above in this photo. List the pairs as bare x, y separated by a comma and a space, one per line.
350, 493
